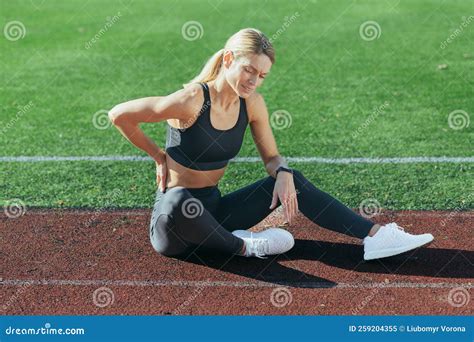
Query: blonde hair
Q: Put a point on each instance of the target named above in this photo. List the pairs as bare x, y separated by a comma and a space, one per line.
242, 43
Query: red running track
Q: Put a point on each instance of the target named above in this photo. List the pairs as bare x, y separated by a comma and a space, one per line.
58, 262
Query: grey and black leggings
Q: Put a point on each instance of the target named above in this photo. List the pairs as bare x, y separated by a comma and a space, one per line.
186, 219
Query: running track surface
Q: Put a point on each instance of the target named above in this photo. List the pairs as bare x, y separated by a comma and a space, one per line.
57, 262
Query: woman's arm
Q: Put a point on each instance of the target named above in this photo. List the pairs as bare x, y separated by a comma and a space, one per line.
127, 116
263, 136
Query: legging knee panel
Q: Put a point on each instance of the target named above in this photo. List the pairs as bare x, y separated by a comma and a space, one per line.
183, 221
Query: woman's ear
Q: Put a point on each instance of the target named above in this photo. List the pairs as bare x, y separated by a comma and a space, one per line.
228, 58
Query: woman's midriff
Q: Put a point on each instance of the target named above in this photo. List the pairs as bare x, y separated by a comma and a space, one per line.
179, 175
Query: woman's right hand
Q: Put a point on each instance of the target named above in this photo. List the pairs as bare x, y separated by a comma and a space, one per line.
161, 171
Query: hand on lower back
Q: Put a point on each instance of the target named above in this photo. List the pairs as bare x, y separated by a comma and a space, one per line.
161, 172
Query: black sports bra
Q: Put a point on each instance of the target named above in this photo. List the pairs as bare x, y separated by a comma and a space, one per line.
203, 147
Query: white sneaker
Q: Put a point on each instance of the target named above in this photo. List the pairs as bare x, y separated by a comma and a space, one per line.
271, 241
391, 240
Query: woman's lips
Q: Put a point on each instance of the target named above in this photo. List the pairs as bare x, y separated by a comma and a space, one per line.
247, 88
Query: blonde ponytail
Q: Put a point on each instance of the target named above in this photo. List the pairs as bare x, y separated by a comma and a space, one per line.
211, 69
244, 42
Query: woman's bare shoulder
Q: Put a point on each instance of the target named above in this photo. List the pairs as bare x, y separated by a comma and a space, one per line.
190, 99
255, 105
193, 99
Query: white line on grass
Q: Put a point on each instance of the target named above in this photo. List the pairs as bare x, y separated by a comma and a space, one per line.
320, 160
195, 283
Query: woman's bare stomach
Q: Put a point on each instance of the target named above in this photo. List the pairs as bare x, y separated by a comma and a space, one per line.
179, 175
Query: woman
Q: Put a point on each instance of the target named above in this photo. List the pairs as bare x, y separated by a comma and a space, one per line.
206, 124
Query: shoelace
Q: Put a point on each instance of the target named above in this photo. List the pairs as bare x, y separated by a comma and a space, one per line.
258, 247
395, 229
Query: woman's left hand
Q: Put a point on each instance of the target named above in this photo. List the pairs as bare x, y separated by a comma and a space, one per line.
285, 191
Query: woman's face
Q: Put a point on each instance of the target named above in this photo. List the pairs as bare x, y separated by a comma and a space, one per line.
246, 73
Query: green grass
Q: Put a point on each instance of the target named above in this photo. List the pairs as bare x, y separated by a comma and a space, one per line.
131, 184
326, 76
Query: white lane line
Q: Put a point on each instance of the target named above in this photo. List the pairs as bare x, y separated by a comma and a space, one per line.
317, 160
193, 283
146, 212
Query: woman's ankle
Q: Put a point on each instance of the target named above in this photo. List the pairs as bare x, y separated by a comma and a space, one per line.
243, 250
374, 229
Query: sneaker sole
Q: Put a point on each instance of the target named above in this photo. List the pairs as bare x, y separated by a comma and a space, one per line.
394, 251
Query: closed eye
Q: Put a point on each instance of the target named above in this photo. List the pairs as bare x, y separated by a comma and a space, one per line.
250, 72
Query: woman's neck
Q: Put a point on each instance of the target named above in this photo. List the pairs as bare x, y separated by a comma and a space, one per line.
225, 95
